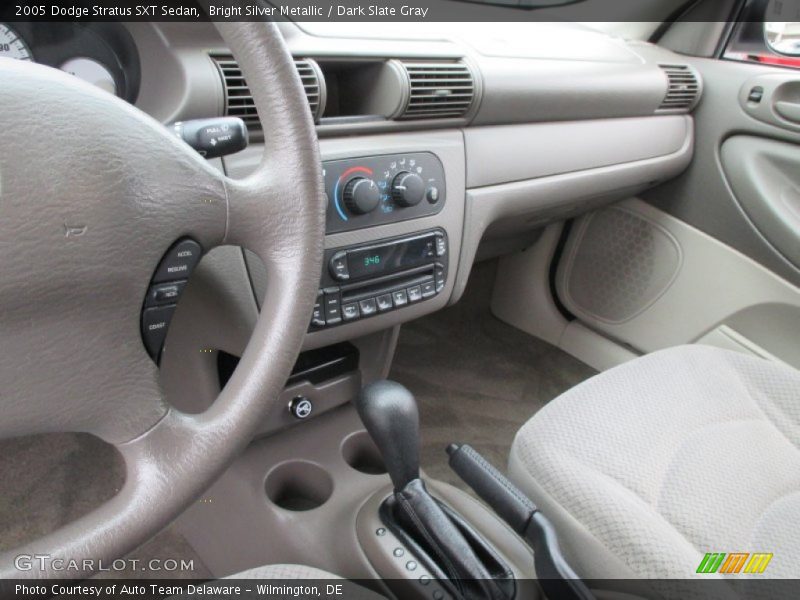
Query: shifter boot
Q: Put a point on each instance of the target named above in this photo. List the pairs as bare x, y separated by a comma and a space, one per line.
459, 555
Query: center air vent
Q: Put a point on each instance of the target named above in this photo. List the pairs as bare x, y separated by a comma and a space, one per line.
239, 101
438, 90
683, 90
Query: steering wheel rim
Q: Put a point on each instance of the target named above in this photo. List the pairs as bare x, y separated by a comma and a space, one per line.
278, 212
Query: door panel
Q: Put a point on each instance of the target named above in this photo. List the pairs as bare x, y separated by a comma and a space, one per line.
702, 195
712, 256
765, 178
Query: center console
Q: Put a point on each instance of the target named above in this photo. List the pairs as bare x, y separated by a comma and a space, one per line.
394, 227
363, 280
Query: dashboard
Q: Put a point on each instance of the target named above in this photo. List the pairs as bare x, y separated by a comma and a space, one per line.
438, 148
103, 54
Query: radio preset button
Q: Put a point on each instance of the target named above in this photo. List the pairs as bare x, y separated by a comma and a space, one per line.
350, 311
338, 266
368, 307
414, 293
384, 302
400, 298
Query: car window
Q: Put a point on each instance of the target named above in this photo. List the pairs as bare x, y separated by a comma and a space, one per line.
764, 36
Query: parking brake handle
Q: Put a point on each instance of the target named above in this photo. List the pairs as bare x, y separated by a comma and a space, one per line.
555, 576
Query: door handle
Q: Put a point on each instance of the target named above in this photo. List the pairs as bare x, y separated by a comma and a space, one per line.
788, 110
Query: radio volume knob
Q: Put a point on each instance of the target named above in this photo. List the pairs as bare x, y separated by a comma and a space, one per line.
361, 195
408, 189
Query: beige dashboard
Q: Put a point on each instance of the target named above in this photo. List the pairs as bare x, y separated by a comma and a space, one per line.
547, 131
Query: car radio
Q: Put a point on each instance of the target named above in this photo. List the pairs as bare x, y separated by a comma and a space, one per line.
369, 279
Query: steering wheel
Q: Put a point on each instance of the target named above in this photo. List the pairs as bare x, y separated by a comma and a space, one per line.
92, 194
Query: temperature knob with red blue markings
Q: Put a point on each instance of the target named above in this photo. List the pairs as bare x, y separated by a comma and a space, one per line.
361, 195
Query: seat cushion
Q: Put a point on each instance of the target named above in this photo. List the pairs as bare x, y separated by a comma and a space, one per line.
650, 465
283, 572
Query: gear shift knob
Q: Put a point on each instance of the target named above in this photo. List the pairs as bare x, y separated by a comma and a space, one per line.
390, 415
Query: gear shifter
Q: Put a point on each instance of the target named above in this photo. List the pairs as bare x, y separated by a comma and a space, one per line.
470, 566
390, 415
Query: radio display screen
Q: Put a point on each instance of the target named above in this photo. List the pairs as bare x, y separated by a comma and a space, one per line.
391, 257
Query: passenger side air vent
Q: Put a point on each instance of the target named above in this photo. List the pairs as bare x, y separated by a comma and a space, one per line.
239, 101
438, 90
683, 89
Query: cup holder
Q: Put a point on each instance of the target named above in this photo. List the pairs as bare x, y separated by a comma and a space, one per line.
298, 485
361, 453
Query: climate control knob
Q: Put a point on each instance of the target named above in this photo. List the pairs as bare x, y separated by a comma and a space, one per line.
408, 189
361, 195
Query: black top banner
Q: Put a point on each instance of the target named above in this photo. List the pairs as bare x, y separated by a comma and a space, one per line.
370, 10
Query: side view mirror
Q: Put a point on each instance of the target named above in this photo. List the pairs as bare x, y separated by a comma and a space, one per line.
780, 35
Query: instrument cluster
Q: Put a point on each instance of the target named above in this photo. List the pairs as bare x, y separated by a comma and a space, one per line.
103, 54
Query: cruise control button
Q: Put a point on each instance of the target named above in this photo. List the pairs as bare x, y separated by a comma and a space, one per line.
179, 262
350, 311
155, 322
428, 289
400, 298
384, 302
333, 309
164, 293
368, 307
414, 294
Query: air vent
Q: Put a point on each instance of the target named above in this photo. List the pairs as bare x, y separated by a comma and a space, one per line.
239, 101
683, 89
438, 90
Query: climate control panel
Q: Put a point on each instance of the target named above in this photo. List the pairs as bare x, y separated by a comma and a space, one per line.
375, 190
